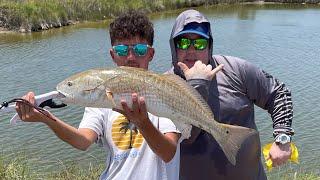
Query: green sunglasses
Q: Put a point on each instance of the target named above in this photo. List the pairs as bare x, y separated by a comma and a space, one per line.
138, 49
198, 44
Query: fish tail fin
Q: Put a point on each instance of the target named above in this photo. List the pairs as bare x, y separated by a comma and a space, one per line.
232, 139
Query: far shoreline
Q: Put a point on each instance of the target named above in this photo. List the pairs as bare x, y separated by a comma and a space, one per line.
43, 26
4, 30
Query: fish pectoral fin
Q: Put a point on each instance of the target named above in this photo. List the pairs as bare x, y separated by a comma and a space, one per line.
110, 98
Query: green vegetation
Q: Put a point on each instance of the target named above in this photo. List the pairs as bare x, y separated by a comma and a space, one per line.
18, 168
296, 176
306, 176
76, 172
36, 15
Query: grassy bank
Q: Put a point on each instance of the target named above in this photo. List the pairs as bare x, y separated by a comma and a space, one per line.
37, 15
19, 169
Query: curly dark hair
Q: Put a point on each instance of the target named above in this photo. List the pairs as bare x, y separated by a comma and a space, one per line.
130, 24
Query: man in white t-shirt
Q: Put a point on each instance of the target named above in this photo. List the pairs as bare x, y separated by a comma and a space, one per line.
138, 144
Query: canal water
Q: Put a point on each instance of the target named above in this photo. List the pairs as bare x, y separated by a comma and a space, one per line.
284, 40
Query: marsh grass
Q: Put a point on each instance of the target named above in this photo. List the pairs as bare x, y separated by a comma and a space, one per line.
19, 168
76, 172
291, 175
14, 168
35, 15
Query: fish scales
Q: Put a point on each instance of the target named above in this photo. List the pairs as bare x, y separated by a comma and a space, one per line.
165, 96
164, 93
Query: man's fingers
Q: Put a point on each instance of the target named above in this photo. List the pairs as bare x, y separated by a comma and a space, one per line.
18, 109
208, 67
27, 107
125, 107
31, 98
216, 70
29, 110
143, 107
22, 108
276, 161
198, 63
135, 104
183, 67
202, 66
118, 110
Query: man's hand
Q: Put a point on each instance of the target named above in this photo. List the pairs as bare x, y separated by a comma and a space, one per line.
279, 153
27, 113
199, 70
138, 114
164, 145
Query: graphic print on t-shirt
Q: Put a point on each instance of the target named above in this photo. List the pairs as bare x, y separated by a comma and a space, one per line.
125, 135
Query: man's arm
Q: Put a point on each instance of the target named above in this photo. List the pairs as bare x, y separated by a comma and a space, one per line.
164, 145
270, 94
199, 77
79, 138
202, 86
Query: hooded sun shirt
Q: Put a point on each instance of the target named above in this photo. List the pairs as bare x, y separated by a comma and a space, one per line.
231, 96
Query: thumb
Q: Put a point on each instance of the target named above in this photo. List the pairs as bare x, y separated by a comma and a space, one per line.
30, 97
183, 67
118, 110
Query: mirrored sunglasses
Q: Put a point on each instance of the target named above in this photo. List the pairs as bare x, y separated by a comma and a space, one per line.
198, 44
138, 49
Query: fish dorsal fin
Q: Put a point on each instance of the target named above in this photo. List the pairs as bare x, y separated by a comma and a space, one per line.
175, 79
134, 70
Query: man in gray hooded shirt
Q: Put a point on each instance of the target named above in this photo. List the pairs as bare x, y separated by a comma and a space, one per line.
231, 94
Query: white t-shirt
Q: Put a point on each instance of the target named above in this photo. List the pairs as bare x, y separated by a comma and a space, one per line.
128, 154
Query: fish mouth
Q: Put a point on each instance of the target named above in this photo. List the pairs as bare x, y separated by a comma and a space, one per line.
62, 96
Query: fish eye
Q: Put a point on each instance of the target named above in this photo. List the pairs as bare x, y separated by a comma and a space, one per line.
69, 83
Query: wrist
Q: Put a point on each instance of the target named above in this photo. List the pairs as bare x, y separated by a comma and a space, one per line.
48, 119
283, 130
144, 124
282, 139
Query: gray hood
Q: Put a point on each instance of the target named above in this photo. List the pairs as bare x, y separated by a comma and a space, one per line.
182, 20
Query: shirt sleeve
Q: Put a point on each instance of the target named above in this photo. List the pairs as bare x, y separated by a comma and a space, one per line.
269, 93
201, 85
166, 125
93, 119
